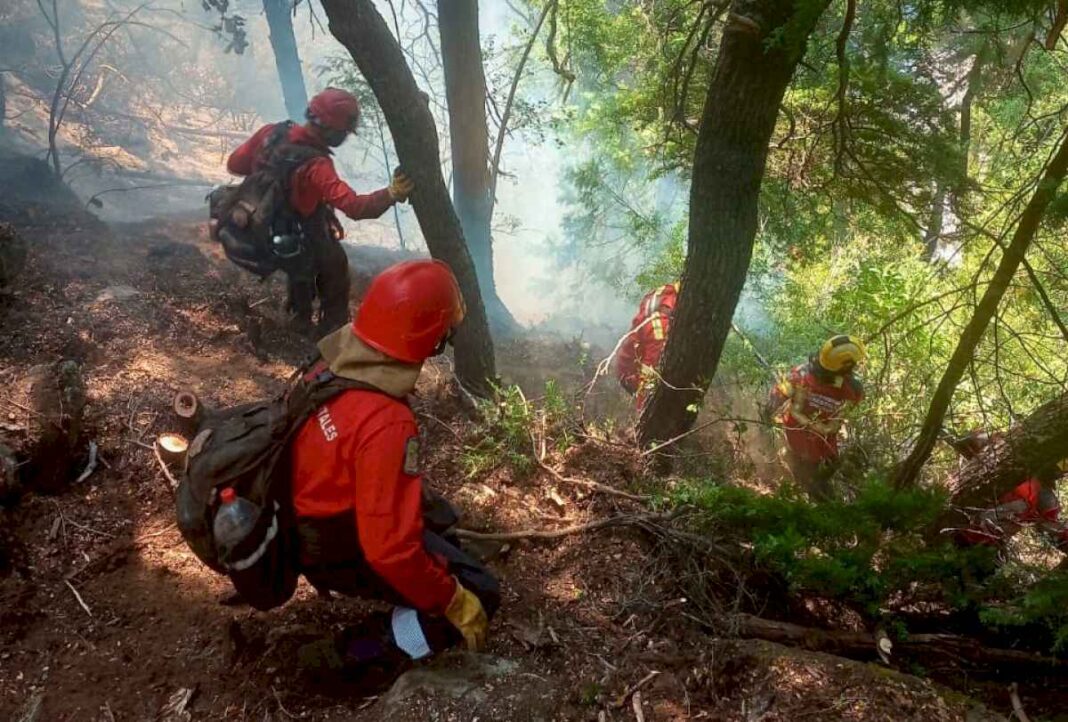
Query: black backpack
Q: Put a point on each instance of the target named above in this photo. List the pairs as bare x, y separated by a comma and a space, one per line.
247, 217
245, 447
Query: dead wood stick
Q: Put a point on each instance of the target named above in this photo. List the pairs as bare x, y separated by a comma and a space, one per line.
633, 689
35, 412
78, 597
636, 703
1017, 705
621, 520
162, 465
862, 645
591, 484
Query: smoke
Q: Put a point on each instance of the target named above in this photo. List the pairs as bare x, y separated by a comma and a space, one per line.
164, 103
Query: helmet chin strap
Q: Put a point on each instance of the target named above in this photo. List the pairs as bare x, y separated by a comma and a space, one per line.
446, 340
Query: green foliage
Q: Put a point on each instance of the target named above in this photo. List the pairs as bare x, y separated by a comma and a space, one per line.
1045, 602
514, 429
871, 554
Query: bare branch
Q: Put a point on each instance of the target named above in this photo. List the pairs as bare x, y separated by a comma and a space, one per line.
496, 167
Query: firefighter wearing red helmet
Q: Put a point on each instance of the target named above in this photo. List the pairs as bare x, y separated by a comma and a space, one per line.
314, 192
366, 526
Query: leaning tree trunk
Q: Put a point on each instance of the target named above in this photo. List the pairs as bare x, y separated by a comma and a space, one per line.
361, 29
1013, 256
1034, 445
465, 90
286, 56
761, 46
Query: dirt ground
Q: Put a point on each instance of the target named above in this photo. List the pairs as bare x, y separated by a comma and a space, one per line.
105, 615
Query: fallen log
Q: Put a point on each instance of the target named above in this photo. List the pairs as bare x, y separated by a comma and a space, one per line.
862, 645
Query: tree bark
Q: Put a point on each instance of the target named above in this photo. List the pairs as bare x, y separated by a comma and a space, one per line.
760, 49
909, 470
935, 223
286, 56
465, 91
361, 29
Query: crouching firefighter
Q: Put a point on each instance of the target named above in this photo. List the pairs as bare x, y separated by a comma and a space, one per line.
810, 403
1032, 502
640, 351
281, 217
329, 479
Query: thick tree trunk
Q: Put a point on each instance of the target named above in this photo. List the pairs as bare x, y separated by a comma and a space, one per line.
755, 63
1013, 256
360, 28
1034, 445
465, 90
286, 58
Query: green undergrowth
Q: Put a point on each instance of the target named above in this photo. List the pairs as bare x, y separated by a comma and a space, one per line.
515, 431
872, 555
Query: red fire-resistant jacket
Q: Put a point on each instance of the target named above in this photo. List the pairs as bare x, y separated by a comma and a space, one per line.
1031, 502
314, 183
351, 457
639, 355
826, 399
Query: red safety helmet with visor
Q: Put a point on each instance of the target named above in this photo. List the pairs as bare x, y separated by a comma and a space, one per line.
410, 310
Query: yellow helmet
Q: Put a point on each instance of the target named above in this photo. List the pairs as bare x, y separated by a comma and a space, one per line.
840, 351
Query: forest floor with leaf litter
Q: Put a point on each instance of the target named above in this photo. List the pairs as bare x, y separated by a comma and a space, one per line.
104, 613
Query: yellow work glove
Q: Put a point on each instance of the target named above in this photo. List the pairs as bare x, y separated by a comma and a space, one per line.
465, 612
401, 186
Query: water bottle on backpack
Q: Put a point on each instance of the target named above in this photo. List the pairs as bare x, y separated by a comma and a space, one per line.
235, 519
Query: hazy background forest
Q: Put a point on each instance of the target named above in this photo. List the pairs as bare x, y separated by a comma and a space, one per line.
886, 169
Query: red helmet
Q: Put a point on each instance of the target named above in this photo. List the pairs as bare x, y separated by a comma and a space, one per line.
335, 109
409, 310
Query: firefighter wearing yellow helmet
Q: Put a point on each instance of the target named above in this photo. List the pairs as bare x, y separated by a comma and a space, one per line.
813, 400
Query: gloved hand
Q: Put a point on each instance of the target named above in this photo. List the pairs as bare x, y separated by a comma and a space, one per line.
823, 428
465, 612
401, 186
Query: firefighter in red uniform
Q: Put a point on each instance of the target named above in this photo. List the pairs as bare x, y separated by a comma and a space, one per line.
315, 191
639, 354
811, 404
357, 493
1033, 502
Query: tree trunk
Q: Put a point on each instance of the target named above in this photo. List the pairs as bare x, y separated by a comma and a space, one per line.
360, 28
286, 58
1013, 256
755, 63
465, 90
933, 234
1034, 445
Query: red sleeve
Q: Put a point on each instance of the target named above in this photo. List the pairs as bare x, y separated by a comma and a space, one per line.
389, 520
241, 160
320, 175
